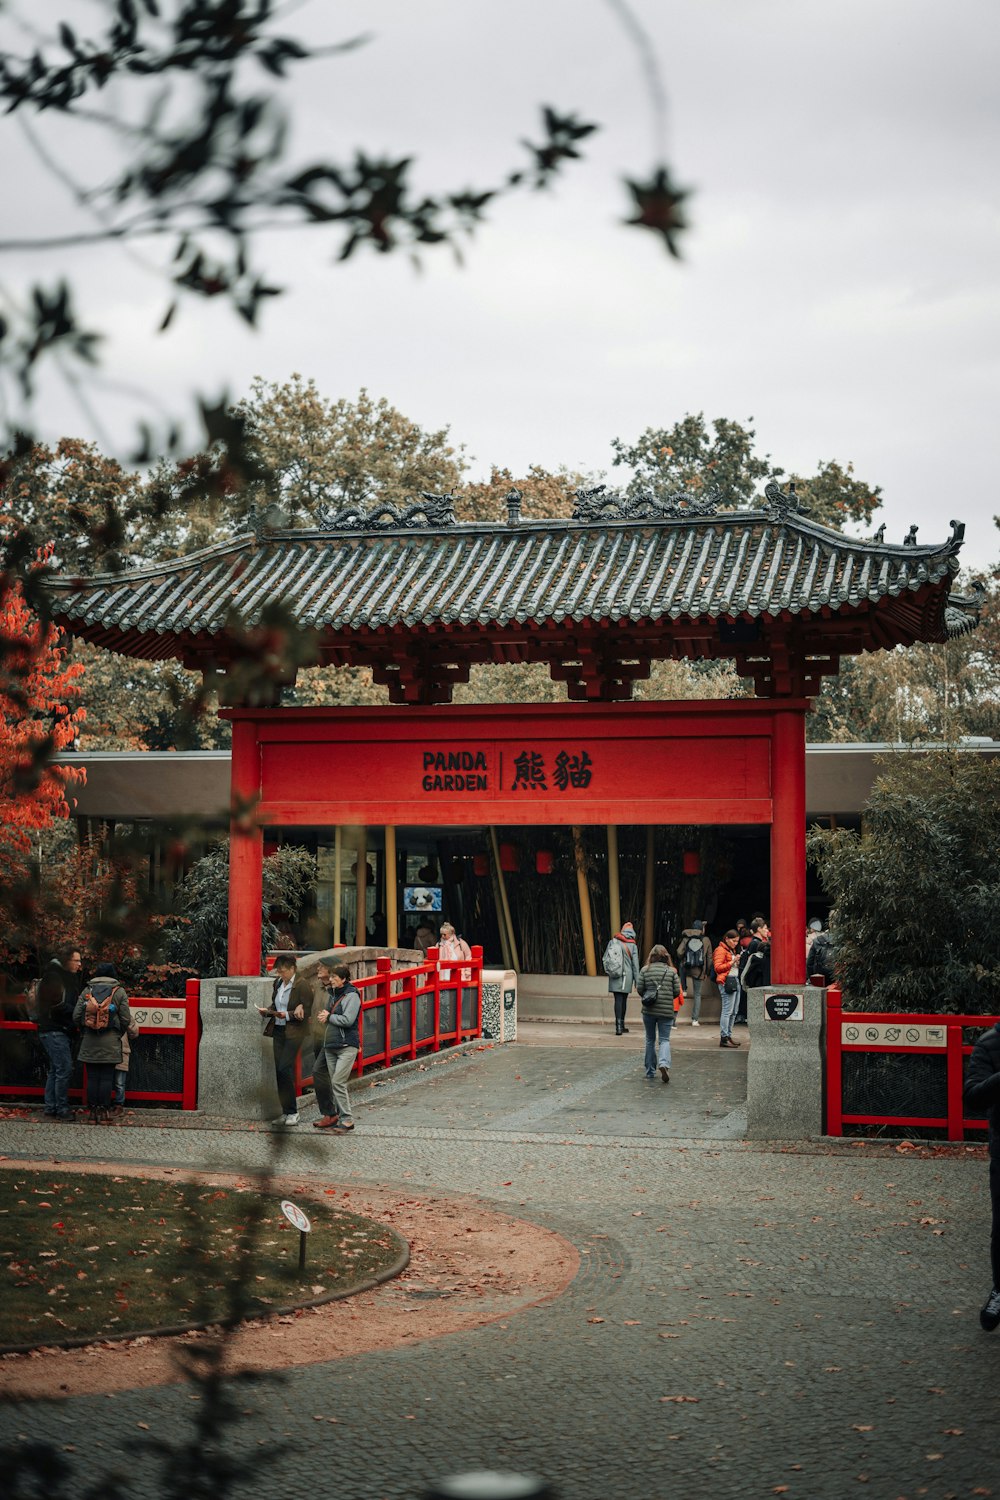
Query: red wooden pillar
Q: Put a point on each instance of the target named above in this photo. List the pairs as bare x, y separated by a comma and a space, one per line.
246, 852
788, 847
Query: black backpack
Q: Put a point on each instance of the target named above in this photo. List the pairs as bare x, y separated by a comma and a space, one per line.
694, 953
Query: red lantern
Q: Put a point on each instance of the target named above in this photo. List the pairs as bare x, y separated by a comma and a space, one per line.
544, 861
508, 858
480, 864
691, 862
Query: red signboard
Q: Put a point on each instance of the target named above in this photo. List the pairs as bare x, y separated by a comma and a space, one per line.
543, 764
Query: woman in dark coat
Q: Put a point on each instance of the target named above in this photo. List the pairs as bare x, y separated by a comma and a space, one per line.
101, 1045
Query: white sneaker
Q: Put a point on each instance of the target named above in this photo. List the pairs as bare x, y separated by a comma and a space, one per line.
290, 1120
695, 1023
278, 1120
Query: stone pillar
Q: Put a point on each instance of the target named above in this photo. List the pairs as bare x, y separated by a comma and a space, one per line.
785, 1063
235, 1059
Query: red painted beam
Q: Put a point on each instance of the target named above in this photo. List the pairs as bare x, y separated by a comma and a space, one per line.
788, 848
246, 853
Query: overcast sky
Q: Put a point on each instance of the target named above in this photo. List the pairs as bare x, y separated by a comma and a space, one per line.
840, 279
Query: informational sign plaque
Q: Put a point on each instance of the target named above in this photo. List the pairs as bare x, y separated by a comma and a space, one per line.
782, 1007
861, 1033
231, 997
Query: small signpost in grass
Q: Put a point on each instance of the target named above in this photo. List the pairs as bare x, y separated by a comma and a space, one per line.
295, 1216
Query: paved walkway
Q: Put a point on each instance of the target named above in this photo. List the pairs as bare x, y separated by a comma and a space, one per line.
749, 1321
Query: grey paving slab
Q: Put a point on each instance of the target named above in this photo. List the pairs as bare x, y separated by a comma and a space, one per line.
816, 1310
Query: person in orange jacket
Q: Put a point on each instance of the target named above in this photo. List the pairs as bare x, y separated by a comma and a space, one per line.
724, 959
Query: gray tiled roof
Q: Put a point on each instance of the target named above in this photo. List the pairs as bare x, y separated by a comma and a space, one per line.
727, 565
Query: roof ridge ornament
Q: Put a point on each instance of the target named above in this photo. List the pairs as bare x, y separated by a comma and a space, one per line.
962, 612
430, 510
781, 506
597, 504
910, 539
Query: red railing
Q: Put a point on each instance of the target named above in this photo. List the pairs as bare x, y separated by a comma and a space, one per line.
917, 1033
410, 1000
157, 1019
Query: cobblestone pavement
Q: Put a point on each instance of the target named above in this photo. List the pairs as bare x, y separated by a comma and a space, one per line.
754, 1320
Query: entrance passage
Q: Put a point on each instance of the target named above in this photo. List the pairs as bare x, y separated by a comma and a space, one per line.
720, 762
568, 1081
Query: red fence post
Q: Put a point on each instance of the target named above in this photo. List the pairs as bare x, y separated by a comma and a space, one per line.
955, 1066
435, 978
834, 1084
383, 989
192, 1040
477, 974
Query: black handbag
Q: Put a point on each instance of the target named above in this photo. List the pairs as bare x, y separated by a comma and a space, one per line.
269, 1026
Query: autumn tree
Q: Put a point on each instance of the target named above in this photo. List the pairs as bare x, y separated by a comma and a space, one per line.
325, 454
544, 495
39, 717
72, 498
691, 456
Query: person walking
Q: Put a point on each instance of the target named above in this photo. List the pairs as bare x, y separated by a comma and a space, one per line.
287, 1025
621, 964
660, 992
982, 1096
341, 1044
692, 955
724, 959
102, 1013
55, 1002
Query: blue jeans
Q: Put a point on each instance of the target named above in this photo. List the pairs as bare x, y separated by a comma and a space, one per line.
652, 1024
60, 1056
121, 1081
729, 1003
695, 991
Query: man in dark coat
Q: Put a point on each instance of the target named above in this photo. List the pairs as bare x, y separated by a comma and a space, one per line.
982, 1096
55, 1000
754, 966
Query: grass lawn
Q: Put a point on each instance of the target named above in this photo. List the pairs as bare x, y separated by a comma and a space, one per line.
99, 1255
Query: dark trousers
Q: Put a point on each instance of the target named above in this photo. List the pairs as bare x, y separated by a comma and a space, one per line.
995, 1236
322, 1083
286, 1050
621, 1000
100, 1082
60, 1055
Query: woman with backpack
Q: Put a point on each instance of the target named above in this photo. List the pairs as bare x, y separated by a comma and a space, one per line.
621, 964
660, 992
102, 1013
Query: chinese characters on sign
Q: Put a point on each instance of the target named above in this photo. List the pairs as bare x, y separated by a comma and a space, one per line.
474, 770
569, 770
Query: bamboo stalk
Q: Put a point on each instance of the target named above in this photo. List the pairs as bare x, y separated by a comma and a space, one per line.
391, 913
586, 918
504, 903
361, 875
649, 915
337, 893
614, 890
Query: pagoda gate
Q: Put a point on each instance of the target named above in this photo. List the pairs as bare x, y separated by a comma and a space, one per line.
420, 598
